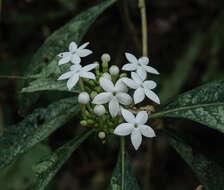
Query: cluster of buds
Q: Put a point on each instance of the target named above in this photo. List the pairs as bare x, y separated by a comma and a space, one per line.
105, 94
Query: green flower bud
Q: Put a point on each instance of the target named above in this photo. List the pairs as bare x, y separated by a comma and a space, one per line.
90, 121
102, 135
98, 89
93, 94
83, 123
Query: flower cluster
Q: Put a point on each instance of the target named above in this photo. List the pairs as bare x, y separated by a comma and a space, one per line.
105, 94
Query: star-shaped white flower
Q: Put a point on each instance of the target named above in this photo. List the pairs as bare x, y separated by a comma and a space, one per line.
74, 55
77, 71
134, 126
140, 65
141, 87
114, 95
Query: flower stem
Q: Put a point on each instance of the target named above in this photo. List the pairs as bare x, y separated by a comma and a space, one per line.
122, 163
81, 85
142, 8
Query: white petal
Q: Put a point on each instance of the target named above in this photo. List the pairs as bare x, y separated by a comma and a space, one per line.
64, 60
66, 75
120, 86
75, 59
102, 98
129, 67
114, 107
139, 95
141, 73
83, 45
143, 60
149, 84
142, 117
152, 95
64, 54
107, 84
136, 78
124, 98
128, 116
131, 58
75, 67
84, 52
72, 81
146, 131
72, 47
136, 138
130, 83
151, 70
89, 67
123, 129
87, 75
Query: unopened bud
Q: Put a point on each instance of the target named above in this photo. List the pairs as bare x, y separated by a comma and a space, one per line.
122, 75
102, 135
99, 110
114, 70
90, 121
106, 75
83, 98
105, 57
83, 123
93, 94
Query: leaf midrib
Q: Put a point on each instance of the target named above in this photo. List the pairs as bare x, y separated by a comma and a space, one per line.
162, 113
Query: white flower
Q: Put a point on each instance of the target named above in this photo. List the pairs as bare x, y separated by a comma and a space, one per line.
140, 65
142, 88
115, 95
74, 54
107, 75
134, 126
114, 70
77, 71
99, 110
83, 98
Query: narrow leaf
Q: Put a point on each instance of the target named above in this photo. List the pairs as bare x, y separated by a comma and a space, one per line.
130, 181
48, 168
34, 128
204, 104
208, 172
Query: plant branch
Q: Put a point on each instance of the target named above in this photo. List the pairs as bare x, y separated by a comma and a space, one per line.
122, 163
142, 8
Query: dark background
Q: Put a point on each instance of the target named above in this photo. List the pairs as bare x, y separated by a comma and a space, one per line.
185, 44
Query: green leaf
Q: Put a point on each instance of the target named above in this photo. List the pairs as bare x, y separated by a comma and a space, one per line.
208, 172
47, 84
204, 104
19, 174
34, 128
130, 182
47, 168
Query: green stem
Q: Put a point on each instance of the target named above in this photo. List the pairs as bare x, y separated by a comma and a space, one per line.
122, 163
144, 27
81, 85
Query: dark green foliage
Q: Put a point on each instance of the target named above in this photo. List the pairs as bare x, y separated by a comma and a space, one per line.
209, 173
48, 167
34, 128
204, 104
130, 180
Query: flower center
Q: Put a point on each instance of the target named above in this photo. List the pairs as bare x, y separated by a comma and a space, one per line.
135, 126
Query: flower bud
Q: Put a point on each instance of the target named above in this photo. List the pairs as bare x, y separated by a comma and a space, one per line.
114, 70
106, 75
122, 75
99, 110
83, 123
93, 94
102, 135
83, 98
105, 57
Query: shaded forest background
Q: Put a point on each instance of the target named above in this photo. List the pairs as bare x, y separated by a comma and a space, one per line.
185, 44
